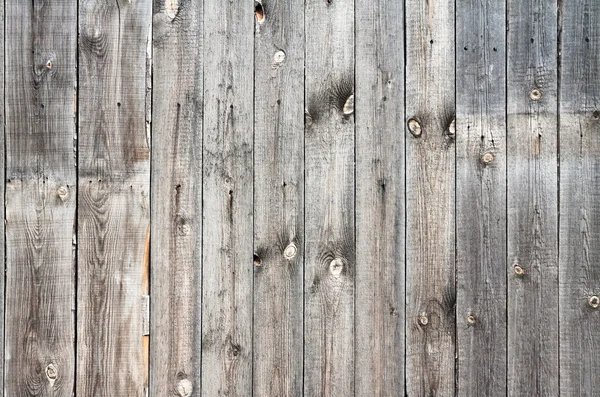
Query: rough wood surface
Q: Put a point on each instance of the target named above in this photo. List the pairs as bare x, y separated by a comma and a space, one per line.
481, 197
228, 194
579, 241
2, 188
278, 198
113, 201
176, 200
330, 263
430, 177
532, 199
380, 267
40, 197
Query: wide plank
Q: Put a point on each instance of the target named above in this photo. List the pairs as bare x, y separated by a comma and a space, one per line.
40, 196
176, 209
113, 201
278, 198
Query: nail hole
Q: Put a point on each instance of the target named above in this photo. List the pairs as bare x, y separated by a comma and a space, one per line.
587, 39
466, 49
257, 260
119, 104
495, 49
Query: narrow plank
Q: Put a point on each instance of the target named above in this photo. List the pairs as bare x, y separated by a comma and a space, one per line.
430, 177
532, 192
227, 197
330, 261
113, 201
481, 197
176, 209
40, 197
579, 236
278, 198
2, 188
380, 250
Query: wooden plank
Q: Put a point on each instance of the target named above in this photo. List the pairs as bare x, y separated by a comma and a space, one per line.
579, 236
330, 262
481, 197
380, 250
2, 188
430, 173
176, 248
113, 202
227, 213
278, 198
40, 197
532, 205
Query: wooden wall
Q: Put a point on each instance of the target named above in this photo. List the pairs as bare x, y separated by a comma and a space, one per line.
284, 198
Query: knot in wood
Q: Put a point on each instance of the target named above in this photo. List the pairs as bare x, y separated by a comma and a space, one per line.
51, 372
594, 302
183, 230
259, 13
185, 388
423, 319
279, 56
336, 266
49, 64
414, 127
519, 271
63, 193
471, 319
452, 128
257, 260
487, 157
535, 94
290, 251
349, 105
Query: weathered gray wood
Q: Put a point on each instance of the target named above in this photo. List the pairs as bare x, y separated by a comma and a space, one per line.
579, 236
330, 262
278, 198
380, 267
113, 201
532, 199
176, 198
40, 197
481, 197
2, 188
227, 213
430, 173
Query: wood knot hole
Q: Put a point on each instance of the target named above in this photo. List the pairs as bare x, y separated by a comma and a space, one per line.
290, 251
535, 94
423, 319
63, 193
349, 105
471, 319
452, 128
279, 57
49, 64
519, 271
487, 157
336, 266
51, 372
257, 260
596, 114
414, 127
594, 302
185, 388
259, 12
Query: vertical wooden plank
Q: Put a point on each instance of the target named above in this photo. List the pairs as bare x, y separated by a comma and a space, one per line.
113, 201
380, 250
330, 263
176, 198
278, 198
2, 189
579, 241
532, 198
40, 197
227, 212
481, 197
430, 173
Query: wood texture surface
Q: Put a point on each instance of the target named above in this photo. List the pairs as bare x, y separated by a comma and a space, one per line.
330, 264
481, 197
176, 200
278, 198
2, 188
380, 250
40, 197
579, 241
430, 178
227, 202
532, 199
113, 201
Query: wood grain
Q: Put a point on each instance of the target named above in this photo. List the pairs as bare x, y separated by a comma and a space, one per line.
176, 248
532, 199
228, 194
430, 178
278, 199
2, 188
380, 250
113, 203
481, 197
40, 197
579, 241
330, 262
